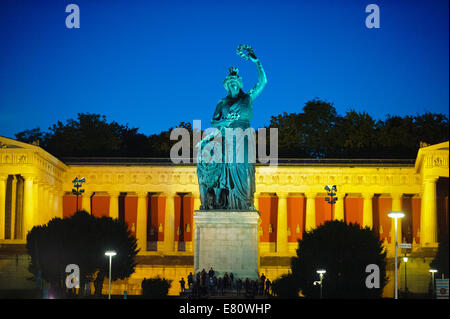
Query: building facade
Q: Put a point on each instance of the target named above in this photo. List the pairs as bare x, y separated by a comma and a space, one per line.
158, 199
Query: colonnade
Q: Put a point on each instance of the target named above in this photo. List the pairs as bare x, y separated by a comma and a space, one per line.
168, 245
428, 222
35, 202
31, 200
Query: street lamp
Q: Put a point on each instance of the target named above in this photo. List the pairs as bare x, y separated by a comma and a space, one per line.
111, 254
396, 215
320, 272
331, 191
405, 260
432, 271
77, 183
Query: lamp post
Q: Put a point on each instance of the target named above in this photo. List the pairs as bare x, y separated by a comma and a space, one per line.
320, 272
405, 260
110, 254
432, 271
396, 215
331, 191
77, 183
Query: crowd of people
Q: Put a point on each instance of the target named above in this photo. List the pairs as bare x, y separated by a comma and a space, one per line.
205, 284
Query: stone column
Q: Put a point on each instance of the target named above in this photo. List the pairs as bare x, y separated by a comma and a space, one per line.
13, 205
114, 205
28, 204
282, 236
339, 207
45, 207
397, 206
367, 210
310, 218
86, 201
256, 201
197, 204
428, 214
169, 223
51, 204
18, 227
3, 179
39, 202
36, 207
47, 201
141, 227
59, 203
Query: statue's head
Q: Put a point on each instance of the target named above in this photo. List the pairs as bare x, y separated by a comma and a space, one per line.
233, 82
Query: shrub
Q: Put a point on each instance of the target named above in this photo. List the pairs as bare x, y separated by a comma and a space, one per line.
155, 287
285, 287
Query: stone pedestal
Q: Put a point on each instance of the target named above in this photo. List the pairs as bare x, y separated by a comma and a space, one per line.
227, 241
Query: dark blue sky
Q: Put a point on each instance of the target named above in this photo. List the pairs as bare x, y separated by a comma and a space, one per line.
153, 64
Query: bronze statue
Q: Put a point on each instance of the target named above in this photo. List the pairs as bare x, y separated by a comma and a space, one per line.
228, 181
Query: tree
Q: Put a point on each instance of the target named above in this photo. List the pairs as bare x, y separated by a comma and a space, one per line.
319, 121
112, 234
89, 135
82, 240
344, 251
356, 135
46, 245
291, 138
319, 132
316, 132
431, 128
396, 137
309, 134
33, 136
155, 287
283, 288
440, 261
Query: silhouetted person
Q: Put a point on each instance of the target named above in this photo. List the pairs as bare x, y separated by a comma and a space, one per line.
268, 284
182, 283
238, 286
220, 286
190, 280
263, 278
203, 275
225, 280
247, 286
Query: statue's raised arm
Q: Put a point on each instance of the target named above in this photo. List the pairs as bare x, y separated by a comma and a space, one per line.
262, 79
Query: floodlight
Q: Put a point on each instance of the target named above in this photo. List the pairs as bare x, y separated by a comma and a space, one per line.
110, 253
396, 214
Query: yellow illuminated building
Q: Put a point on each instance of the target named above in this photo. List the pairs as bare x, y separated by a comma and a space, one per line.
158, 200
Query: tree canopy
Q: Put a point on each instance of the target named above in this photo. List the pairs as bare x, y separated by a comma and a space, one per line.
82, 240
315, 132
344, 251
440, 261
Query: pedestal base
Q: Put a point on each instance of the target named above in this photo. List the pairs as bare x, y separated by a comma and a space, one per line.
227, 241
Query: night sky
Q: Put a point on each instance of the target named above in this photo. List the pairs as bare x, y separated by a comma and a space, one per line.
154, 64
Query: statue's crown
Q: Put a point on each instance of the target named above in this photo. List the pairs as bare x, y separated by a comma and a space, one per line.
232, 76
233, 71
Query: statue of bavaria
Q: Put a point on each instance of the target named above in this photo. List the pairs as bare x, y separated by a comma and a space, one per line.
226, 156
